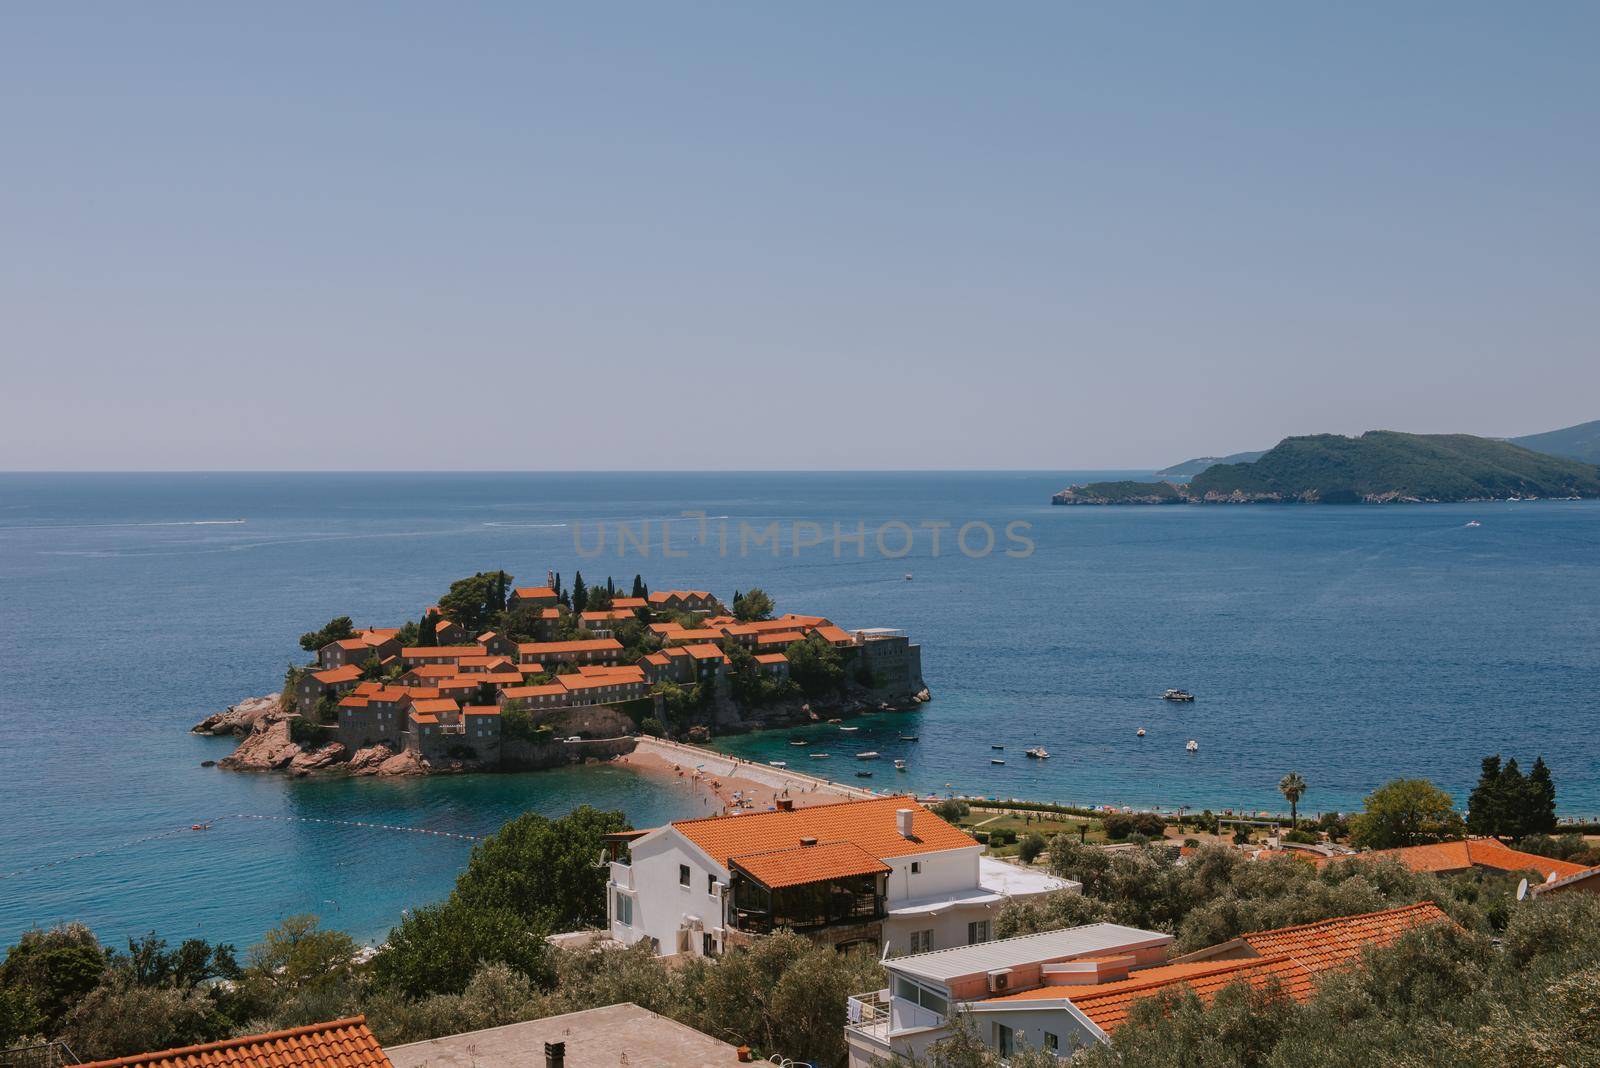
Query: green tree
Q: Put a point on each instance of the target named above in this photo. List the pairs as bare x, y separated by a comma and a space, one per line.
53, 968
438, 948
1293, 788
336, 630
1406, 812
639, 589
580, 593
1030, 846
752, 606
544, 871
476, 602
1542, 802
296, 957
1486, 813
427, 630
814, 666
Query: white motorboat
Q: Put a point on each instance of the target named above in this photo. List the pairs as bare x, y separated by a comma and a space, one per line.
1141, 732
870, 754
1193, 746
899, 765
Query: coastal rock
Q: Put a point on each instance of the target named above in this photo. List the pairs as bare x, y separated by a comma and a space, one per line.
403, 763
267, 747
240, 718
367, 761
317, 760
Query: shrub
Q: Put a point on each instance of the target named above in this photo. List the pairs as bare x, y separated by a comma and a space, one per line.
652, 726
1119, 825
304, 732
951, 809
1031, 845
1300, 836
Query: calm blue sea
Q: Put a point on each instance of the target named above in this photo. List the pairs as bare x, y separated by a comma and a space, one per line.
1349, 644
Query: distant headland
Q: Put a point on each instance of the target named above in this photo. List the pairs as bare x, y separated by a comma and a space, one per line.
1379, 467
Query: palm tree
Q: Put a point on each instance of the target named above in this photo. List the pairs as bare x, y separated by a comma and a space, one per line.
1293, 788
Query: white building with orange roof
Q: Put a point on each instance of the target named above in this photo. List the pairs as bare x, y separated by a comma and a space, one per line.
884, 871
1063, 990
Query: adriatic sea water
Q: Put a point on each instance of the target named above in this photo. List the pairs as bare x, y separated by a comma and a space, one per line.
1350, 644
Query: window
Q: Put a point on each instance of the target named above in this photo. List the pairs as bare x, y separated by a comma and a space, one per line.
683, 875
1003, 1042
624, 909
921, 941
1051, 1042
916, 867
977, 931
711, 884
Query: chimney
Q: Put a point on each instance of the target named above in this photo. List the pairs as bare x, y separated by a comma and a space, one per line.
555, 1055
808, 841
902, 819
785, 804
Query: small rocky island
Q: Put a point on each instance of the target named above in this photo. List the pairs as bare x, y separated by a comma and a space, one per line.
497, 677
1379, 467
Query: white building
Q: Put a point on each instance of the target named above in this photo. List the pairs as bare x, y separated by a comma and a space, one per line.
884, 871
1061, 991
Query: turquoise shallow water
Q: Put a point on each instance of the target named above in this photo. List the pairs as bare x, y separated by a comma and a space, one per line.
1350, 644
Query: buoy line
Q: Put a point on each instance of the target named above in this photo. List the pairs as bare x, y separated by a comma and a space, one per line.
207, 824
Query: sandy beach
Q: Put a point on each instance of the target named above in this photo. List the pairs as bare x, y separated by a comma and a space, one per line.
721, 784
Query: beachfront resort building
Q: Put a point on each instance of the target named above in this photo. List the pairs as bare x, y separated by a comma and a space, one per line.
1064, 990
885, 872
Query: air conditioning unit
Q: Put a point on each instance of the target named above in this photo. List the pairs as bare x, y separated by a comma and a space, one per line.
999, 980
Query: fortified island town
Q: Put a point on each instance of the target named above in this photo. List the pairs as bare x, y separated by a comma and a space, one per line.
504, 677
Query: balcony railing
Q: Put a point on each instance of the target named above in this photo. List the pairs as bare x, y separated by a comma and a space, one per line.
869, 1013
621, 875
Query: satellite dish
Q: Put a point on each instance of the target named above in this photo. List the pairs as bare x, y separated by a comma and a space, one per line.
1522, 890
1550, 878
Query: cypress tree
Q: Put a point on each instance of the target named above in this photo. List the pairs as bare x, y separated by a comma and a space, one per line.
1483, 804
1542, 800
426, 635
580, 593
638, 587
1514, 801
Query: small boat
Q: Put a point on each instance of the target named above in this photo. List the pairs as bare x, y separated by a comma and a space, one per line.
899, 765
870, 754
1177, 695
798, 741
1193, 746
836, 721
778, 763
997, 747
863, 774
1038, 752
849, 728
908, 737
1141, 732
996, 760
819, 756
908, 576
1473, 523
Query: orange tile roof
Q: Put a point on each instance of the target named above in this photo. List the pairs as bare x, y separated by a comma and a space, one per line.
516, 692
1329, 942
352, 701
1562, 883
834, 634
771, 658
443, 625
481, 710
782, 637
593, 682
809, 864
432, 706
432, 671
1292, 957
704, 634
337, 1044
1474, 853
869, 824
585, 646
629, 602
348, 673
417, 652
534, 593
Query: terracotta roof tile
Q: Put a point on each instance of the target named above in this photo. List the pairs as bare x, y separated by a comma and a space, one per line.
1330, 942
870, 824
804, 864
348, 673
1471, 853
591, 645
338, 1044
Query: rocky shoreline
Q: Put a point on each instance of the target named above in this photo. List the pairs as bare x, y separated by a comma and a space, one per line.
266, 743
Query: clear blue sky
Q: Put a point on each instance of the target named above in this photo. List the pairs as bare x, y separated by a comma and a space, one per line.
819, 235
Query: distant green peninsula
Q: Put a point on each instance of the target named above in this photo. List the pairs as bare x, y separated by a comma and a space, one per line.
1380, 466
